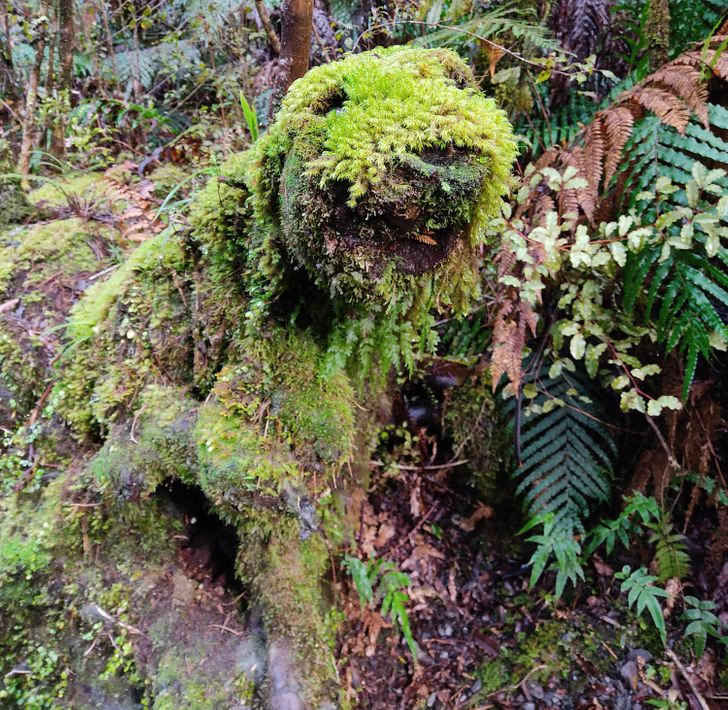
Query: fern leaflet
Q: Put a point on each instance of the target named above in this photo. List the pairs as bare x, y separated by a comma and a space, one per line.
567, 454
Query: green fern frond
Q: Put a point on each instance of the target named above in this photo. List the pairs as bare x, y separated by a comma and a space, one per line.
681, 288
671, 556
567, 455
521, 25
656, 150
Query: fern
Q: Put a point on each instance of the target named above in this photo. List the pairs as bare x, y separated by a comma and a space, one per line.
567, 454
683, 277
639, 510
656, 150
381, 581
556, 542
518, 24
644, 594
702, 623
671, 557
581, 24
693, 20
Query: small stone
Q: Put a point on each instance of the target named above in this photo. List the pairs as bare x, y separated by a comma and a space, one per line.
629, 672
431, 700
535, 690
476, 686
448, 630
529, 706
642, 653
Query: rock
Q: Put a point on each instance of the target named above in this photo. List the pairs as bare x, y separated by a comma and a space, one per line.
629, 672
642, 653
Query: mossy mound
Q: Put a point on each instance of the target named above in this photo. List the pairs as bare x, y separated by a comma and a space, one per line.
471, 422
379, 184
364, 202
44, 268
229, 357
98, 611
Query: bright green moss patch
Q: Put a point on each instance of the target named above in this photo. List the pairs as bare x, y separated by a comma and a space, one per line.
353, 120
128, 331
55, 192
156, 445
61, 246
362, 204
93, 308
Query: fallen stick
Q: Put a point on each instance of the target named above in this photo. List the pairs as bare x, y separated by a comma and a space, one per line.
683, 671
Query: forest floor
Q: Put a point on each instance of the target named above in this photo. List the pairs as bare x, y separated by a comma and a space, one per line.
484, 639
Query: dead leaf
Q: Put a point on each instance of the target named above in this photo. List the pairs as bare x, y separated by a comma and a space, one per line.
494, 54
385, 534
602, 568
482, 512
673, 589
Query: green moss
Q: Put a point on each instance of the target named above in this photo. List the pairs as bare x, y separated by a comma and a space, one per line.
378, 116
238, 463
157, 444
42, 267
128, 331
55, 192
478, 435
274, 421
294, 603
420, 177
99, 299
36, 252
493, 675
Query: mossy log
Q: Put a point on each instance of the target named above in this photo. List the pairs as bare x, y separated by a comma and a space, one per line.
243, 354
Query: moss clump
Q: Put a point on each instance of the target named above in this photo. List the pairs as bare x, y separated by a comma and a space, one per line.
157, 444
478, 435
128, 331
274, 422
43, 268
365, 200
55, 192
39, 251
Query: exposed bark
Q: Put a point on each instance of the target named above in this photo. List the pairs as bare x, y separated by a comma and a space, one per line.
275, 43
297, 17
31, 100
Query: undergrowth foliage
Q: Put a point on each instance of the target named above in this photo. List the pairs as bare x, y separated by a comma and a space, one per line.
611, 259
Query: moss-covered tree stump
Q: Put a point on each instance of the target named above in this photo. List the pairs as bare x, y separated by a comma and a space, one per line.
243, 356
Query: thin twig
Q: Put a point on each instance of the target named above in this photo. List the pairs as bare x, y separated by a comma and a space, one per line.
701, 700
668, 451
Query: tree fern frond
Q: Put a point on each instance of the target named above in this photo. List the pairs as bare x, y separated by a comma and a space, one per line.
567, 455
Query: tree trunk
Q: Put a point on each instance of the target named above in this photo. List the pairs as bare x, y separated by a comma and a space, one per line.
297, 16
7, 80
31, 99
65, 53
657, 32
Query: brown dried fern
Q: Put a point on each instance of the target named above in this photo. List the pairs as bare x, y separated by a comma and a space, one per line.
138, 222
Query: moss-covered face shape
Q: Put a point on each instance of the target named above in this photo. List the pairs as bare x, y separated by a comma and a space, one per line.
383, 165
